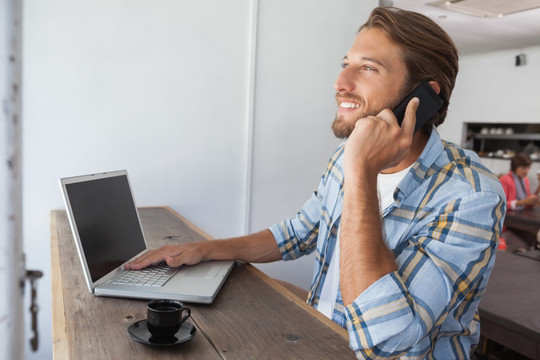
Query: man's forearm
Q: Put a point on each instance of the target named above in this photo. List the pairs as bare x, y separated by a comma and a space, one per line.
364, 255
260, 247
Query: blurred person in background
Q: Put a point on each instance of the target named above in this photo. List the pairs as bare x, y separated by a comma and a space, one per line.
517, 189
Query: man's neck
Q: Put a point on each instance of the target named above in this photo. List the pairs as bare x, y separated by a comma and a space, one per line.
419, 142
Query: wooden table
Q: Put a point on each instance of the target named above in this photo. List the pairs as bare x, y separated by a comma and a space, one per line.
253, 317
510, 308
526, 220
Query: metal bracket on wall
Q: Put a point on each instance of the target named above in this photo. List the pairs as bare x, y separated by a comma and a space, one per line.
33, 276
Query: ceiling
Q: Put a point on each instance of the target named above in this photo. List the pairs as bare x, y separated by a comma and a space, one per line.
474, 34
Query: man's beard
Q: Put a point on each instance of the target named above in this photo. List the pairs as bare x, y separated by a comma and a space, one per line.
343, 129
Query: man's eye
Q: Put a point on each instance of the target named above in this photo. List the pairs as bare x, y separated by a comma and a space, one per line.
369, 68
344, 66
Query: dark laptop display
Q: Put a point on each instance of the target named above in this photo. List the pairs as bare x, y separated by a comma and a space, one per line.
107, 222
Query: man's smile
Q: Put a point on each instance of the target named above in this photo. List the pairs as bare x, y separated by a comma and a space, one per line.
347, 102
349, 105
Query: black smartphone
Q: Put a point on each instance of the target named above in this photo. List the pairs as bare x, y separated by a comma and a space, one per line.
430, 103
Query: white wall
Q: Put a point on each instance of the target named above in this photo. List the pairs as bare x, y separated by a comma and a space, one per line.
161, 89
157, 88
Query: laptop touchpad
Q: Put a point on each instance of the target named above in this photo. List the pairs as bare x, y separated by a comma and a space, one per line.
207, 271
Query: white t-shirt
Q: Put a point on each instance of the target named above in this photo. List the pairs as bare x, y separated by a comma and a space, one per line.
386, 185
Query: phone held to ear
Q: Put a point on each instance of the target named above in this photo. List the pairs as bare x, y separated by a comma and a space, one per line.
430, 103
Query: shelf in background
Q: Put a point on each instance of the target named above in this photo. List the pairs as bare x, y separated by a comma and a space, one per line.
519, 136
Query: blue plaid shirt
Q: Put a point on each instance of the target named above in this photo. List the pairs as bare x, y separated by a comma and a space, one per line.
443, 229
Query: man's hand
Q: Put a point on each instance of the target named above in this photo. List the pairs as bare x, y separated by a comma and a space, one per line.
174, 256
260, 247
378, 142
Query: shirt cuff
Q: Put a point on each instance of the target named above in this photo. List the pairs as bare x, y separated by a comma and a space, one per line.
279, 231
380, 312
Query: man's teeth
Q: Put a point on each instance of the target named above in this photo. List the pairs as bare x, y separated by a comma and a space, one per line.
349, 105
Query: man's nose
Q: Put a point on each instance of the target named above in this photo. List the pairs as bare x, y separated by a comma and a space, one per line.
344, 81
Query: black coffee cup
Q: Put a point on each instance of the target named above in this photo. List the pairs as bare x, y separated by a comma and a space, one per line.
164, 317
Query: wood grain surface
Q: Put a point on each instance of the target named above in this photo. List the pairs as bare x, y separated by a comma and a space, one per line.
252, 317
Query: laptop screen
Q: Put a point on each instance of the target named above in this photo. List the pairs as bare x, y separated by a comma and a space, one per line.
107, 222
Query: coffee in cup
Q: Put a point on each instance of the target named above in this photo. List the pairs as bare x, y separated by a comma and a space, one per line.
164, 318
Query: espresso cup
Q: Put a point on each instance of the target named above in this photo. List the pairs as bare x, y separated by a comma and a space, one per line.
164, 317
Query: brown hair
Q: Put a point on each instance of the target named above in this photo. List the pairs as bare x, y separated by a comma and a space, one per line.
427, 50
521, 159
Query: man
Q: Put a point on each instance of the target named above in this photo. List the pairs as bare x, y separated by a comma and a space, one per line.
406, 284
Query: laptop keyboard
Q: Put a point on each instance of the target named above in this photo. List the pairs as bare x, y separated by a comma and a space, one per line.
153, 275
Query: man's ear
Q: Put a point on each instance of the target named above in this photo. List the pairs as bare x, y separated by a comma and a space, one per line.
435, 86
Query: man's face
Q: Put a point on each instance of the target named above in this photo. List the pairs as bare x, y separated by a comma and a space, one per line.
373, 78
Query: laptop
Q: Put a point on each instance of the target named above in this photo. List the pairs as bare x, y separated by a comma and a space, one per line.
108, 233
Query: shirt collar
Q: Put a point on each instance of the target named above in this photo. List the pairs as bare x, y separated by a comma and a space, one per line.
425, 165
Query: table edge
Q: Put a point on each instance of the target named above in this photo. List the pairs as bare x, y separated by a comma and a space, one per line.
59, 335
